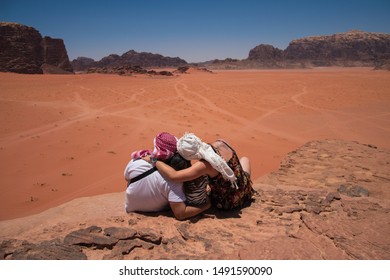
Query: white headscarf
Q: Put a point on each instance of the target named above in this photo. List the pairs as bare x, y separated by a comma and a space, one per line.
191, 147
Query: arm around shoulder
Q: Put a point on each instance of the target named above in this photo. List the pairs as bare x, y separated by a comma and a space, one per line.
196, 170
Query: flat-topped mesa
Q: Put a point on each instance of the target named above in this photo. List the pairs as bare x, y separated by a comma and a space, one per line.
350, 46
353, 48
23, 50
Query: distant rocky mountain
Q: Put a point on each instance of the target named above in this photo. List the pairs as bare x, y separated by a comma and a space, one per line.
130, 58
265, 52
82, 63
127, 70
353, 48
23, 50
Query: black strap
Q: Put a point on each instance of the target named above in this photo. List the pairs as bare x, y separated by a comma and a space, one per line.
140, 176
220, 140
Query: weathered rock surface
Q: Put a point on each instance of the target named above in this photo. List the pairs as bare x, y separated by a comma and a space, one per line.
329, 199
47, 250
89, 237
23, 50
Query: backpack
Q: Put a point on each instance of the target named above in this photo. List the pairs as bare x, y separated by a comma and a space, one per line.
195, 190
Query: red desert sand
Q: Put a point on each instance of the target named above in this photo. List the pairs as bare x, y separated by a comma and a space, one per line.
68, 136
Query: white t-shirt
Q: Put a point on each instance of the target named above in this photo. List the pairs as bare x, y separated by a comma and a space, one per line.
152, 193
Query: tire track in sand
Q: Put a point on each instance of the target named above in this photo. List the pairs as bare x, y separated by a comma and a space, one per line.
201, 102
87, 112
331, 118
260, 126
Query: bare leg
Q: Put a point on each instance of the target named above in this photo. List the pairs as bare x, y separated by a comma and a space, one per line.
246, 165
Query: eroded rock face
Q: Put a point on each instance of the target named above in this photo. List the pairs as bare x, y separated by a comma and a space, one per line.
20, 49
55, 54
23, 50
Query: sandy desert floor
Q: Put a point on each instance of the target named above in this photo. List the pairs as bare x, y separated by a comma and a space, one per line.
69, 136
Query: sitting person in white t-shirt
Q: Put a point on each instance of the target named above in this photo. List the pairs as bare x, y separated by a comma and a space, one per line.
151, 192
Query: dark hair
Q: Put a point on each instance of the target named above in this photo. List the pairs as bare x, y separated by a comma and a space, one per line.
177, 162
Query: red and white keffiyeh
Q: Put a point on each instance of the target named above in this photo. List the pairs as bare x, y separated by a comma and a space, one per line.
164, 147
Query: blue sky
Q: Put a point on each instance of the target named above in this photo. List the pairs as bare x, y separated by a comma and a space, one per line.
193, 30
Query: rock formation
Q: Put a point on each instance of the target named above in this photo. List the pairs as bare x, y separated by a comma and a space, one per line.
145, 59
127, 70
128, 59
23, 50
265, 53
188, 69
20, 49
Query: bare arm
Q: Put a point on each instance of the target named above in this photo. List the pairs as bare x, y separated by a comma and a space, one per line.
194, 171
198, 169
182, 211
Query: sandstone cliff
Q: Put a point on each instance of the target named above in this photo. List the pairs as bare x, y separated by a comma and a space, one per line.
20, 49
353, 48
23, 50
55, 54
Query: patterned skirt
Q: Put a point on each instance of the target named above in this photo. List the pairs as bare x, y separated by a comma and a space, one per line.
223, 195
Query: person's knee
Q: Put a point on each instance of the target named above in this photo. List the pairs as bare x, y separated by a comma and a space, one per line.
207, 204
246, 165
180, 216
